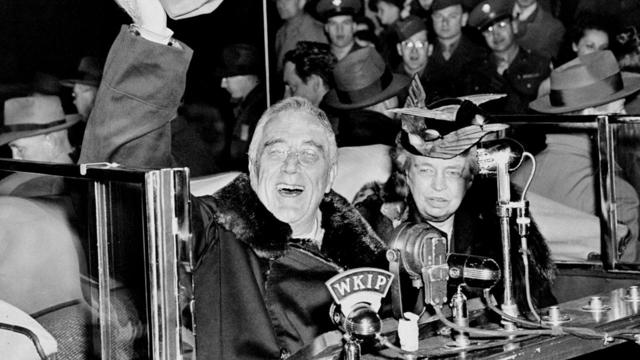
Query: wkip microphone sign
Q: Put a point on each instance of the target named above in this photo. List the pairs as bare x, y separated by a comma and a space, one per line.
360, 285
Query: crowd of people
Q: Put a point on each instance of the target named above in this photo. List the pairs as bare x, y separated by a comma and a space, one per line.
280, 229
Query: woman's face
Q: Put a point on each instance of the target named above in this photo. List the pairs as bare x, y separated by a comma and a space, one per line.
592, 40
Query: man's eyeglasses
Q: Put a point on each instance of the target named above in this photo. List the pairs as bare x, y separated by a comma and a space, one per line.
280, 153
418, 44
497, 26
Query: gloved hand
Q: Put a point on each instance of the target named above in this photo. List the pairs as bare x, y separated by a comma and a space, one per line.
147, 14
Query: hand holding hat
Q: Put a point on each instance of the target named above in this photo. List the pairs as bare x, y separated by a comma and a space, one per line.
147, 14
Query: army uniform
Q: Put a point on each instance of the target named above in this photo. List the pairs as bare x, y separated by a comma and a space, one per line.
519, 81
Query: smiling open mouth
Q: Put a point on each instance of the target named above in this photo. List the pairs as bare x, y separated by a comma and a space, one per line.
289, 190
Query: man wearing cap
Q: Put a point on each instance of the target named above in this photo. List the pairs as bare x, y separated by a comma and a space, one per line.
413, 46
536, 28
452, 51
339, 24
85, 85
388, 13
434, 181
35, 128
241, 78
298, 26
591, 84
365, 88
509, 68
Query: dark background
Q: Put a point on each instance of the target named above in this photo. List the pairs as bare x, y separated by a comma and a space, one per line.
51, 36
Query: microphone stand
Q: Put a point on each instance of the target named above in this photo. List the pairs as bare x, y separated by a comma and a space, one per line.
504, 213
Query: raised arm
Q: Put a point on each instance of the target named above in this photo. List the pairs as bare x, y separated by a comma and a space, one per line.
142, 86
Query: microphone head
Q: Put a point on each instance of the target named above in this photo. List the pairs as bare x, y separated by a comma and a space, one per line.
363, 322
492, 153
475, 271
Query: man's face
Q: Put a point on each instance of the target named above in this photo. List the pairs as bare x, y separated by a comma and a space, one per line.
288, 9
238, 86
34, 148
592, 40
438, 185
294, 86
83, 98
340, 30
415, 51
614, 107
293, 170
448, 22
387, 13
499, 36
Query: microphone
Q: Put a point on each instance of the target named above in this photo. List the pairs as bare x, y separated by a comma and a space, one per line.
493, 153
474, 271
420, 251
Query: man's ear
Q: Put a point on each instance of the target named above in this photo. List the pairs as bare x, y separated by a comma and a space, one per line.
253, 175
465, 17
429, 50
332, 177
574, 47
399, 48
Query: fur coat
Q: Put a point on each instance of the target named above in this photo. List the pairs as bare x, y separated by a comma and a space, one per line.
259, 293
476, 231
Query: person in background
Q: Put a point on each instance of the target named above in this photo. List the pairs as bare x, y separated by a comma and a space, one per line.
388, 13
536, 29
452, 52
509, 68
365, 89
339, 24
413, 46
308, 71
298, 26
241, 78
591, 84
85, 85
36, 129
589, 33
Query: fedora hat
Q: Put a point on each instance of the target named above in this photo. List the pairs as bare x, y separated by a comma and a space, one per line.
89, 73
363, 79
239, 59
586, 81
34, 115
447, 127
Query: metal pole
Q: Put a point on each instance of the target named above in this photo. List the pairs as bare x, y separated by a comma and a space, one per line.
266, 52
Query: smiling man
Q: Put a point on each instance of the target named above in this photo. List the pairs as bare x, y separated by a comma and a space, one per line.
265, 243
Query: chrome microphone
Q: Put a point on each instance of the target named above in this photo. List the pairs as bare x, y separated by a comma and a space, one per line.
474, 271
492, 153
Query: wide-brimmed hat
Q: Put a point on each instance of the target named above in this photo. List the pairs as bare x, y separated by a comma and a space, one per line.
586, 81
89, 73
239, 59
488, 12
330, 8
34, 115
363, 79
446, 128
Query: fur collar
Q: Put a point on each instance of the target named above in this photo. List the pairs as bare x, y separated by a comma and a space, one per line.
348, 240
